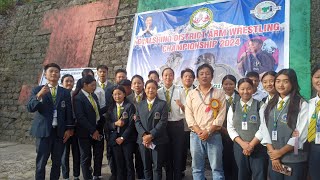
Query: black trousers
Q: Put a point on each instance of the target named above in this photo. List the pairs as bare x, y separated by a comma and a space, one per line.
72, 144
153, 161
85, 145
111, 161
185, 149
46, 146
138, 162
230, 167
123, 156
175, 149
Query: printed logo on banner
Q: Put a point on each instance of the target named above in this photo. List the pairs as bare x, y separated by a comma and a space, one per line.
201, 18
265, 10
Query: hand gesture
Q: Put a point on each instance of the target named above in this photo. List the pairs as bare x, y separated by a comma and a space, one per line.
276, 164
119, 123
119, 140
275, 154
96, 135
44, 90
67, 135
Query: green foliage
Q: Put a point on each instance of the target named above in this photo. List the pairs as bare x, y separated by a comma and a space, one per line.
6, 5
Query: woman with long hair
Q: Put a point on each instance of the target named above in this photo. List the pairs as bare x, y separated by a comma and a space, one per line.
286, 112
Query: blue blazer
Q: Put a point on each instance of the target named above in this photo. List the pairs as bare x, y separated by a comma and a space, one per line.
127, 131
43, 117
86, 116
152, 122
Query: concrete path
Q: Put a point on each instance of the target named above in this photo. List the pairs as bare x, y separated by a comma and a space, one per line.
17, 161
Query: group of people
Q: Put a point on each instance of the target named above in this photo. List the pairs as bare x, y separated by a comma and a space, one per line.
245, 132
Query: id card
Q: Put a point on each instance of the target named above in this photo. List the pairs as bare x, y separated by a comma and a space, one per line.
169, 114
55, 113
245, 126
274, 136
317, 140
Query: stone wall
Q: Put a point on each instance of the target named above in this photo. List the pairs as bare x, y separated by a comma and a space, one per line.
22, 52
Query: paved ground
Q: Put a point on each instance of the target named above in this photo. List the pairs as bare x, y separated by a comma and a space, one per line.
17, 161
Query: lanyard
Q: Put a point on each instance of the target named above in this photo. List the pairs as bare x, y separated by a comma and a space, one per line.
275, 120
168, 103
244, 116
211, 91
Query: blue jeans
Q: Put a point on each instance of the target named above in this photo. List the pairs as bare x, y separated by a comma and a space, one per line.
212, 147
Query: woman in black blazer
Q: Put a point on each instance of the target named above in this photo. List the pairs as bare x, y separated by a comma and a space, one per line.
135, 98
89, 128
122, 133
151, 122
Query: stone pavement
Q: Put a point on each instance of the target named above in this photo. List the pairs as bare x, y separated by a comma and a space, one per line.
17, 161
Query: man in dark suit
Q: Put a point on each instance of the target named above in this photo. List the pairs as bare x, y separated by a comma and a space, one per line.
89, 127
151, 123
53, 123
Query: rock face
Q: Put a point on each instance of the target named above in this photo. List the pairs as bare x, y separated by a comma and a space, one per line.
23, 50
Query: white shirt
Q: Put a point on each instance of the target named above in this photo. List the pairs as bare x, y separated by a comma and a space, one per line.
136, 96
101, 96
301, 126
87, 95
259, 95
312, 105
176, 112
183, 93
54, 120
231, 129
105, 83
228, 97
153, 31
268, 99
152, 101
119, 105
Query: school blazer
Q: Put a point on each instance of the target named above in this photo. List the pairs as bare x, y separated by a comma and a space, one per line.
43, 117
86, 116
150, 122
127, 131
236, 99
108, 94
131, 98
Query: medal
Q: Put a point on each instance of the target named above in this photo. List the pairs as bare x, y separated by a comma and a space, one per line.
214, 105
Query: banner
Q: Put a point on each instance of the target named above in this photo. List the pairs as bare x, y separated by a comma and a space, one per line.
75, 72
235, 37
